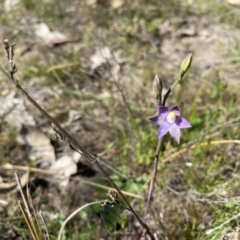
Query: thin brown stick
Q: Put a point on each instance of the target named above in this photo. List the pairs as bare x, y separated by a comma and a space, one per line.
154, 176
93, 159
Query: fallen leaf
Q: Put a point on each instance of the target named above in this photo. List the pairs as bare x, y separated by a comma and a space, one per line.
65, 167
14, 111
41, 149
51, 38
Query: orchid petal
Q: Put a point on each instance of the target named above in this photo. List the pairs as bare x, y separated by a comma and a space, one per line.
183, 123
164, 128
156, 120
170, 121
176, 110
163, 111
175, 132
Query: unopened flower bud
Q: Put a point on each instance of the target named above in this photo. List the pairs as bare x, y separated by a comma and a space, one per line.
157, 88
186, 63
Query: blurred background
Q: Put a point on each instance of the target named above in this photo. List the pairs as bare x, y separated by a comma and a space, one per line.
90, 64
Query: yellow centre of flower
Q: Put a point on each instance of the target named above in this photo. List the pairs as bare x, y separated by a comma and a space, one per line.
171, 117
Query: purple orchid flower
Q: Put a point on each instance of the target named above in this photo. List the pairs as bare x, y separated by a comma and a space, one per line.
170, 120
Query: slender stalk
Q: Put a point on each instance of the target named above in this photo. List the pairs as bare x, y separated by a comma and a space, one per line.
168, 92
154, 176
